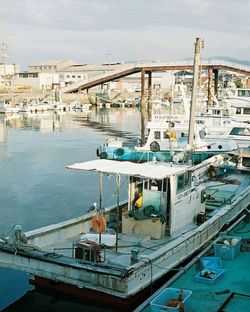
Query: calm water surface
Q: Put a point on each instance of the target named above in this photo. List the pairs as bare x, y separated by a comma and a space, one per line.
37, 190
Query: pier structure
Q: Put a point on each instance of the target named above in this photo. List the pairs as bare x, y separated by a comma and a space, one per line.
144, 69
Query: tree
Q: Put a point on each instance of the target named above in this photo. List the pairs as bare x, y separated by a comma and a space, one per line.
238, 83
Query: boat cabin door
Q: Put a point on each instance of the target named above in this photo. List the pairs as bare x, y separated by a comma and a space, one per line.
152, 200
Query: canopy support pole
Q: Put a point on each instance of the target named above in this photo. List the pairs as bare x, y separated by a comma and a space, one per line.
100, 202
118, 217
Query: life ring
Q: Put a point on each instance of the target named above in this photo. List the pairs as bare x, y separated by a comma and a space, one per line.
120, 151
99, 223
97, 152
154, 147
104, 155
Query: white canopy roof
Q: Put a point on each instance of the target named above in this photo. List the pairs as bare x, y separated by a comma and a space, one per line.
144, 170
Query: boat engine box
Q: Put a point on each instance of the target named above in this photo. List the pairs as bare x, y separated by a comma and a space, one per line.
227, 247
88, 251
211, 270
162, 302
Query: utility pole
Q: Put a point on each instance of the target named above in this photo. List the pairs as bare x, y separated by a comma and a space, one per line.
199, 44
109, 56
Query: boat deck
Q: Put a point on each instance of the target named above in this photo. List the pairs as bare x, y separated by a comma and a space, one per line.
121, 257
221, 195
231, 292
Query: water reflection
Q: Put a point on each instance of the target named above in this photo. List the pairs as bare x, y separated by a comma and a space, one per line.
2, 132
35, 187
114, 122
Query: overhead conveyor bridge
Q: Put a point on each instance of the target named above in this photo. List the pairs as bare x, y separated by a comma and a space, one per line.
147, 68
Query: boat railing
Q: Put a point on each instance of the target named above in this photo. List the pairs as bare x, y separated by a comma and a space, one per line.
47, 235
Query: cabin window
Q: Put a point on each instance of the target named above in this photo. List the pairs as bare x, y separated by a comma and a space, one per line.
246, 111
151, 185
200, 122
166, 134
240, 131
238, 111
244, 93
183, 182
155, 185
157, 135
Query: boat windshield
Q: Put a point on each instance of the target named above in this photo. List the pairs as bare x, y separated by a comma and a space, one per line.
240, 131
244, 93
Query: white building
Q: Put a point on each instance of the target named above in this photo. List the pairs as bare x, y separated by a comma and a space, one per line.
43, 75
39, 81
7, 71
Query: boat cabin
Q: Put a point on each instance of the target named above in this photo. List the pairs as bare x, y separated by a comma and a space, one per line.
237, 132
242, 93
162, 136
162, 198
242, 112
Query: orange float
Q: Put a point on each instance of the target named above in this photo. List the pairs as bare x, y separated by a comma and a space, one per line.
99, 223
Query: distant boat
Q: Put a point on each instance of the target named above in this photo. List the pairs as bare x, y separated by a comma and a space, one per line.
7, 109
78, 107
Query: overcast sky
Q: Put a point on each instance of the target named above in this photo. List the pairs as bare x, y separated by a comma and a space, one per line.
93, 31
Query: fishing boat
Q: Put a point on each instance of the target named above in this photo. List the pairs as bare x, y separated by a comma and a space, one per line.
7, 109
238, 95
78, 107
217, 279
166, 143
239, 132
172, 211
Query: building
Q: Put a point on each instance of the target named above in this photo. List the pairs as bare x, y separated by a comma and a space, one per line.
43, 75
7, 71
50, 66
37, 80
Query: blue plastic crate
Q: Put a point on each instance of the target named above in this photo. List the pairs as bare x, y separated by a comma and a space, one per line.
159, 303
227, 252
211, 268
211, 262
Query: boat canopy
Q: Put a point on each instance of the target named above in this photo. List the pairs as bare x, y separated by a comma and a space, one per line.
150, 170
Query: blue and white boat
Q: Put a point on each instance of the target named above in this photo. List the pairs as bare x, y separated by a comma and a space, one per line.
166, 144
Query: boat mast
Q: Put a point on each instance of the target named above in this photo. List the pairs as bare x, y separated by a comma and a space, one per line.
198, 45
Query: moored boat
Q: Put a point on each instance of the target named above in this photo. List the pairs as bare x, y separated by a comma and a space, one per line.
239, 132
166, 143
172, 211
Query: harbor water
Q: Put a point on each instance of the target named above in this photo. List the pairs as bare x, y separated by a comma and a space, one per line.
36, 189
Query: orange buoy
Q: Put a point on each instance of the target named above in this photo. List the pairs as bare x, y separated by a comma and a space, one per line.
99, 223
